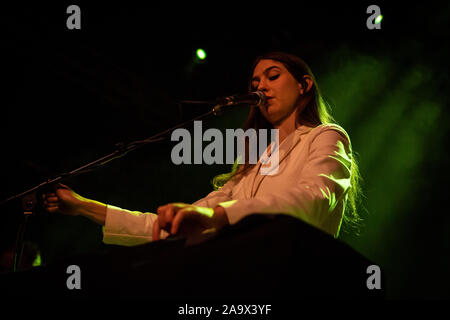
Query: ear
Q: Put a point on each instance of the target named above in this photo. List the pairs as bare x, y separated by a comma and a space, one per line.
306, 84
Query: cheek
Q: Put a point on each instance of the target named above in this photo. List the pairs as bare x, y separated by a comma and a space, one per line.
289, 94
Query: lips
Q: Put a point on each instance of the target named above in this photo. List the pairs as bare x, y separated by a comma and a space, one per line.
268, 100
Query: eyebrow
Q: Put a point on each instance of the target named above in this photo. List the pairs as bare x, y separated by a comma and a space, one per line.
265, 72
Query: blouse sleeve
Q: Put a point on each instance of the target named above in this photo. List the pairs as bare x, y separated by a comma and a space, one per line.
129, 228
320, 194
215, 197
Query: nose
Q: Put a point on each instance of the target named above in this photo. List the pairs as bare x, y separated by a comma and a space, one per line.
262, 86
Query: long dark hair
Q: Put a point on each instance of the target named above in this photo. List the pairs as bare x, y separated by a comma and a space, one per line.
315, 112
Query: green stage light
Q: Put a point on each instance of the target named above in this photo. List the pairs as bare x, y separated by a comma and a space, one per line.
378, 19
37, 260
201, 54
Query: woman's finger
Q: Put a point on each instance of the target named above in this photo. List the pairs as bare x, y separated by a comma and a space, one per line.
180, 216
166, 215
52, 209
52, 199
63, 186
156, 230
50, 203
161, 210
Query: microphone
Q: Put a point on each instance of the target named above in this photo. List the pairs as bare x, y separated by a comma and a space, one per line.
256, 98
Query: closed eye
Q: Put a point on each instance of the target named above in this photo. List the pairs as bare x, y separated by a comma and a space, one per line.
274, 77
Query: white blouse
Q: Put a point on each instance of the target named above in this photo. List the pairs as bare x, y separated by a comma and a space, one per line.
312, 184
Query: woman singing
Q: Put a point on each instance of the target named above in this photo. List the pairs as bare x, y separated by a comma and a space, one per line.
316, 178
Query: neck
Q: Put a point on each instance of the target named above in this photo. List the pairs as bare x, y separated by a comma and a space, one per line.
287, 126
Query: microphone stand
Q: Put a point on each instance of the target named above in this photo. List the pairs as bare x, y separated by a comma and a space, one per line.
29, 198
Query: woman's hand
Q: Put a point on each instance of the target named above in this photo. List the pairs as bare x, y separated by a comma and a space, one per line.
64, 200
67, 201
187, 219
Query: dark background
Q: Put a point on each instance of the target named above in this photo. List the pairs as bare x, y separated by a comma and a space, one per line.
70, 95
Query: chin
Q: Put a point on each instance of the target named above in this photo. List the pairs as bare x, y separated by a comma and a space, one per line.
274, 112
270, 113
272, 118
